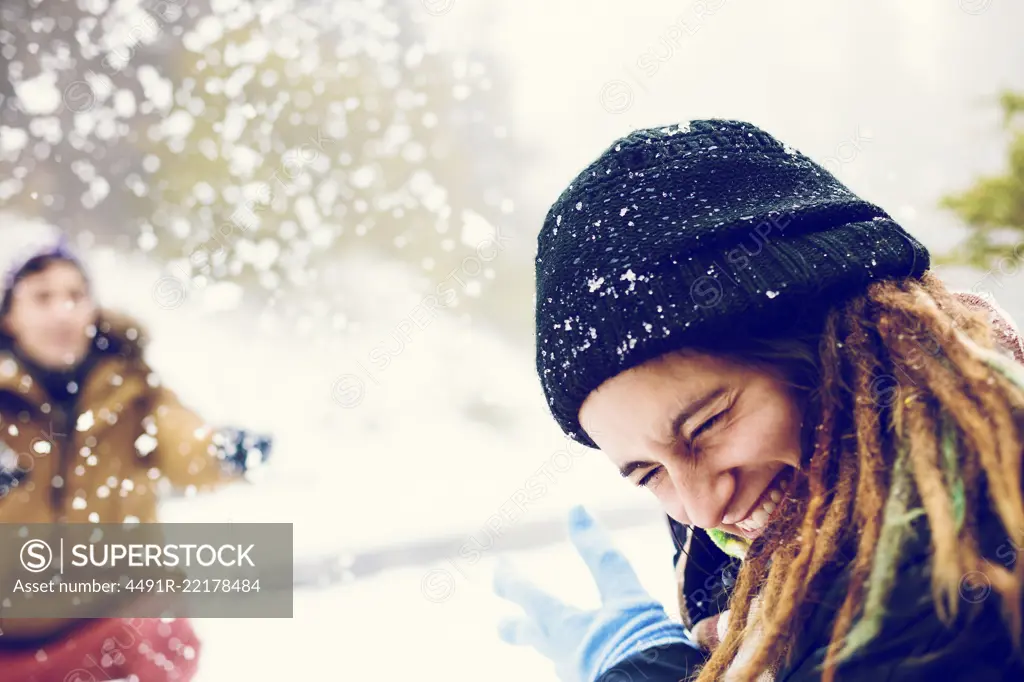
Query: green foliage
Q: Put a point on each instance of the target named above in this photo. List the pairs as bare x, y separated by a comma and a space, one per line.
994, 206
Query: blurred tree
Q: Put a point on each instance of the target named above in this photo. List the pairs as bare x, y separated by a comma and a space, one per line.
262, 143
75, 102
994, 206
299, 137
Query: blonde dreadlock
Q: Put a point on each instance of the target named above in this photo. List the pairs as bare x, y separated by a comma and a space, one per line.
910, 413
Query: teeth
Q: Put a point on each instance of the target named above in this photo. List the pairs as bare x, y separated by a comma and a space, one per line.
761, 515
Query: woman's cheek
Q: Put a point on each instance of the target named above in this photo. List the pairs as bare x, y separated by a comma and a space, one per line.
760, 438
669, 498
783, 422
782, 441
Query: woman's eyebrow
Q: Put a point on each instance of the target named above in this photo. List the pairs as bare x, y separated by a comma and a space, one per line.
629, 467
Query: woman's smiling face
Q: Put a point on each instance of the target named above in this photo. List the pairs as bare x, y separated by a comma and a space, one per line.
714, 440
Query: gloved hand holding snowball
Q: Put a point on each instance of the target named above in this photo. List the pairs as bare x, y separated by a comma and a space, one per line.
584, 644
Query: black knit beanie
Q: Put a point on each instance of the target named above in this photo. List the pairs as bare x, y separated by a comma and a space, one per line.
677, 236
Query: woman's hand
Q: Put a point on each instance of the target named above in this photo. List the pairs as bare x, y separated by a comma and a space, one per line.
584, 644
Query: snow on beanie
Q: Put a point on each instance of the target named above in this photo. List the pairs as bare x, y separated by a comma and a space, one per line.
679, 235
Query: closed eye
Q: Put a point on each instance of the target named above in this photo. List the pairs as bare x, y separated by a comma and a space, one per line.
707, 425
648, 477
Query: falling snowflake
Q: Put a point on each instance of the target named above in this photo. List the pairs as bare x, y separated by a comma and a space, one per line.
145, 444
86, 420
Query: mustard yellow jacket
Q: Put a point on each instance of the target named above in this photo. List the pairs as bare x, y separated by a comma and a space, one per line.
128, 438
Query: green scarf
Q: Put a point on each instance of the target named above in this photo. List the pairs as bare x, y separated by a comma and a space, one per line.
733, 545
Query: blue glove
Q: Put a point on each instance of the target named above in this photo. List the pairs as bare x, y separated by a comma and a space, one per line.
585, 644
242, 451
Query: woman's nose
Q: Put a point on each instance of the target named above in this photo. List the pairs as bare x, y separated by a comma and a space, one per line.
704, 494
65, 307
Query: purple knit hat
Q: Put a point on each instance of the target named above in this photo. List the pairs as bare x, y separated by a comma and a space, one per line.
59, 247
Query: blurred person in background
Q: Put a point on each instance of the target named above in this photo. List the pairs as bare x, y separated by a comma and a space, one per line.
836, 438
88, 434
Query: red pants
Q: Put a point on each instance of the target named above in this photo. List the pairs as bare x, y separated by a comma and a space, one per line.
149, 649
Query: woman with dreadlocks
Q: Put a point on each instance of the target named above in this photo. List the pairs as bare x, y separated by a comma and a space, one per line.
836, 437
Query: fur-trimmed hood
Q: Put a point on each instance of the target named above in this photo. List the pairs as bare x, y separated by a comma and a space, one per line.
1007, 335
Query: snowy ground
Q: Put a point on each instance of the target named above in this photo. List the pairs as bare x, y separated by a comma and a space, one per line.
392, 628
